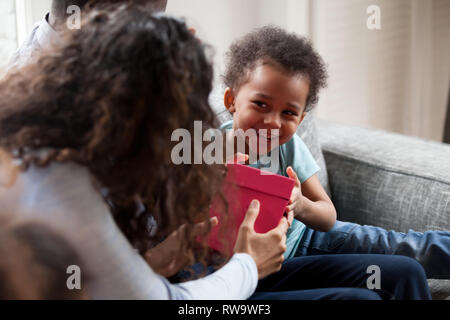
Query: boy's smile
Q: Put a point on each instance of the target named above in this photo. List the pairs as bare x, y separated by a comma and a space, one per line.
271, 98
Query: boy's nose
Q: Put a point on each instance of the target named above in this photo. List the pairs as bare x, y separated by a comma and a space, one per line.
272, 121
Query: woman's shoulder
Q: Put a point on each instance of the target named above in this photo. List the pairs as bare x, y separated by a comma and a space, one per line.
55, 180
58, 192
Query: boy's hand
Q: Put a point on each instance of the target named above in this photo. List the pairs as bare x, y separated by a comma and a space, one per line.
238, 158
289, 216
296, 202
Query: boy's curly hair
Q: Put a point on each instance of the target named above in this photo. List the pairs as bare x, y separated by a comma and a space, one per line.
108, 97
273, 45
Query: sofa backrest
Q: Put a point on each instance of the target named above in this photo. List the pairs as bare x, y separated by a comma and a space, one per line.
387, 179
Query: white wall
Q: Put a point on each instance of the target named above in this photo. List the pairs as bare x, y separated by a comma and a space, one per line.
8, 37
39, 8
28, 13
219, 22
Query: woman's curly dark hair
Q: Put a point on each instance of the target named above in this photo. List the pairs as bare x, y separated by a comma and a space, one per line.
273, 45
108, 96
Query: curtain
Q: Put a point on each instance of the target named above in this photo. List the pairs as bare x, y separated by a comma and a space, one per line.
447, 120
395, 78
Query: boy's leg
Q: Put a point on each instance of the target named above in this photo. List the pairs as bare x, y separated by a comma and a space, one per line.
431, 248
399, 277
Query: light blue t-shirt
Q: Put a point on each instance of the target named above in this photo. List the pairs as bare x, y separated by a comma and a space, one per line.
296, 154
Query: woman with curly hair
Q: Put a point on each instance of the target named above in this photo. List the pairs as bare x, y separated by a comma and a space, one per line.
88, 122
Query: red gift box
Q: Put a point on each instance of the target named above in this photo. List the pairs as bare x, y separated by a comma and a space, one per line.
243, 184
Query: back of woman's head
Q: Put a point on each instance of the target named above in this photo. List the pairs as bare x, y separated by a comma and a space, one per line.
34, 263
108, 97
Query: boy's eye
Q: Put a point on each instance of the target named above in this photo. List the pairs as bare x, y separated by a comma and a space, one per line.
260, 104
290, 113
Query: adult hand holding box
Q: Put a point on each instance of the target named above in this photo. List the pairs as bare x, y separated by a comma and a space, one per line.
241, 186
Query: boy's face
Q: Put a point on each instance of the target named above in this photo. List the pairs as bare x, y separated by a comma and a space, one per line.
270, 99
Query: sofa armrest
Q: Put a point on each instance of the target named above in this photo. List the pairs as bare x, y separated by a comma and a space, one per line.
387, 179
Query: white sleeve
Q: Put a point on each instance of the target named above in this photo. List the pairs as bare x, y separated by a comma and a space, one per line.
63, 197
235, 281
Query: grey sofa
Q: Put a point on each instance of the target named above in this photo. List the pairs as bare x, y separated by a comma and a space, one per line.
388, 180
379, 178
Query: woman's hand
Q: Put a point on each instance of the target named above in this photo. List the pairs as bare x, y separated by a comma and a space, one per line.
266, 249
166, 257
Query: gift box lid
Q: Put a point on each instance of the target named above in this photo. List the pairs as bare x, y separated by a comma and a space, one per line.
252, 178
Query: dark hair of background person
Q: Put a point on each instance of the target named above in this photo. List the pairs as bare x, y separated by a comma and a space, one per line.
34, 262
59, 7
275, 46
108, 97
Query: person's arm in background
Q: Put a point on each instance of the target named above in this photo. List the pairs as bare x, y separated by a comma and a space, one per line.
63, 196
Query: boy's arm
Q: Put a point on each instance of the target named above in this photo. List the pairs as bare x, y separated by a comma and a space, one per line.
311, 204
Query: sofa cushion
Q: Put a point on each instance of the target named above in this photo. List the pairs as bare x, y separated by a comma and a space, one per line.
440, 289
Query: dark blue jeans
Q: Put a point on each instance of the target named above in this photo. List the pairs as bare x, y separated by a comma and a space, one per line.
337, 277
431, 249
345, 276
